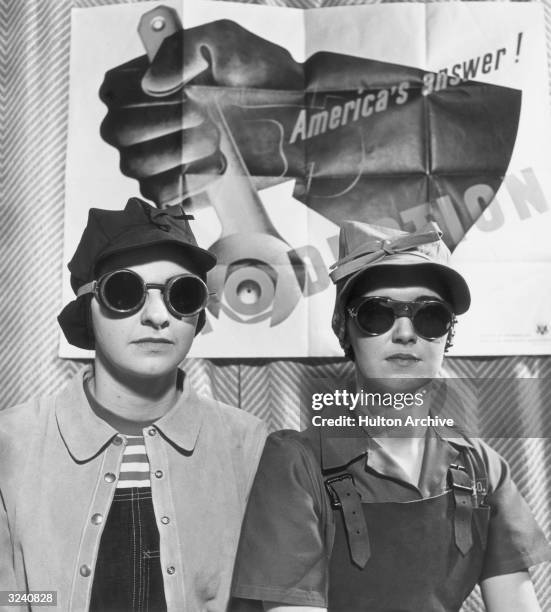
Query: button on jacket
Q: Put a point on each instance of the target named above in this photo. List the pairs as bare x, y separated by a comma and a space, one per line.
59, 465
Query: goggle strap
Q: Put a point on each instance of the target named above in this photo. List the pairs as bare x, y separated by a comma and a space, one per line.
87, 288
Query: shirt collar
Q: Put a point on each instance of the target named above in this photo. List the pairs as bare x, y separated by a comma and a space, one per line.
446, 394
85, 434
182, 423
342, 445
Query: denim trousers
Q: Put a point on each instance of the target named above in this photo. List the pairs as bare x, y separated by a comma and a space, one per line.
128, 576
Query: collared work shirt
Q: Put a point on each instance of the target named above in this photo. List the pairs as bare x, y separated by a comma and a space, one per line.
288, 532
59, 464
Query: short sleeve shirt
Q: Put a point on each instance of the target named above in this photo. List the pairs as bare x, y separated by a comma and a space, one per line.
288, 532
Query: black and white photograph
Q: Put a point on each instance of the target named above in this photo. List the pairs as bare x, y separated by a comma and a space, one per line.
277, 296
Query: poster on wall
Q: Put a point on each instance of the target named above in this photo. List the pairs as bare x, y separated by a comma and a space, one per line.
274, 125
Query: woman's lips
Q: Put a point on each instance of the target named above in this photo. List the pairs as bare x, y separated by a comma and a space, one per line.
153, 344
403, 359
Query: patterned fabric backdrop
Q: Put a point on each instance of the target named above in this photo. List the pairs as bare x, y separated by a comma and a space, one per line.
34, 66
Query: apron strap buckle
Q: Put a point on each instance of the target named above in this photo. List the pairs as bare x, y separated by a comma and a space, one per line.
333, 495
460, 483
344, 496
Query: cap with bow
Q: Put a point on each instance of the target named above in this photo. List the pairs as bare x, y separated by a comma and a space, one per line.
108, 232
363, 247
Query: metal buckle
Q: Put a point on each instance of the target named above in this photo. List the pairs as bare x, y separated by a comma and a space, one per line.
456, 466
460, 487
456, 485
334, 498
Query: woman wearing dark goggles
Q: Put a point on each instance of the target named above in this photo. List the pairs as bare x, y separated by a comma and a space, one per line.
381, 504
124, 292
131, 459
376, 315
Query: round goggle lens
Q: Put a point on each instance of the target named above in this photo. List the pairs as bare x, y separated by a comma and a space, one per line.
187, 295
374, 317
123, 291
432, 321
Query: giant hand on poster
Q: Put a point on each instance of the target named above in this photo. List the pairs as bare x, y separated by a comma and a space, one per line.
275, 125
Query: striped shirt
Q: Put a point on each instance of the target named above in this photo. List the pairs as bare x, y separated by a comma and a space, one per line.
135, 464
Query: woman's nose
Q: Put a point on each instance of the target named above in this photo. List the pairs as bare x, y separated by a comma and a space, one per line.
154, 311
403, 331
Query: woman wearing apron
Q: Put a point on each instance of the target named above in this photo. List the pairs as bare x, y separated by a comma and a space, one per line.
381, 516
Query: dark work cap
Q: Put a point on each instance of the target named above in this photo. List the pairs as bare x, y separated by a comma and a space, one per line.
108, 232
138, 225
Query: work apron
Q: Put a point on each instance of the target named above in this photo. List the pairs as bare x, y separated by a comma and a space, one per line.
419, 556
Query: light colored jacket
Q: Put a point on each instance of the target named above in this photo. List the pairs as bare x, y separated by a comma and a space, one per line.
58, 468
